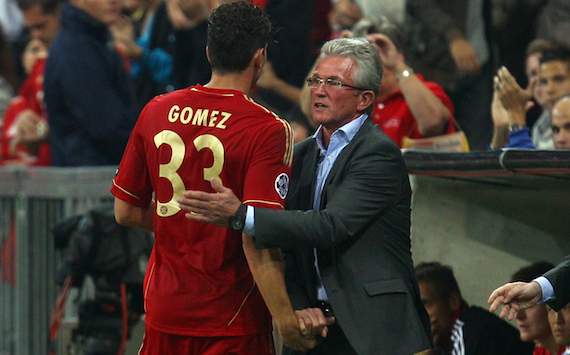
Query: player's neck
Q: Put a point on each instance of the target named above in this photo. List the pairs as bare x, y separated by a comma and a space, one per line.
234, 81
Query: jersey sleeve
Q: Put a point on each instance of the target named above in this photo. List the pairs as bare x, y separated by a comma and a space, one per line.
132, 182
268, 174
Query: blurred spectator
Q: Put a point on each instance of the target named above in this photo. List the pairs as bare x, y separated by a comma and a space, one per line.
534, 91
87, 93
408, 105
554, 22
393, 10
553, 82
533, 321
291, 52
455, 325
6, 91
344, 15
25, 134
514, 28
560, 325
147, 39
11, 22
561, 123
189, 18
450, 44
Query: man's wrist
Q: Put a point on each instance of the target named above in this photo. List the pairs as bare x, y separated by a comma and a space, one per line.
404, 73
237, 221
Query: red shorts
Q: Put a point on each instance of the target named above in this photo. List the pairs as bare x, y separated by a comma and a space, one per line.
158, 343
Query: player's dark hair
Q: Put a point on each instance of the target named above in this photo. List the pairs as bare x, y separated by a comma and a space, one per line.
235, 32
47, 6
531, 272
440, 277
552, 55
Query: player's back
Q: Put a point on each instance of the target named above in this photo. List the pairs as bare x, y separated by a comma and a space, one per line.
198, 282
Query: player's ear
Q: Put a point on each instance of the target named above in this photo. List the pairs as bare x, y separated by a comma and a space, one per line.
208, 54
259, 58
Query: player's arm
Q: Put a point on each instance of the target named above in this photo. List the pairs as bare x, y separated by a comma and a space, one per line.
267, 268
132, 216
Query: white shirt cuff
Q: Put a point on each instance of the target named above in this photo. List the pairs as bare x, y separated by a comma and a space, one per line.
249, 226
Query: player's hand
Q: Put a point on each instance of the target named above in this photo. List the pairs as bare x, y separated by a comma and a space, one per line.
292, 336
513, 297
213, 208
312, 321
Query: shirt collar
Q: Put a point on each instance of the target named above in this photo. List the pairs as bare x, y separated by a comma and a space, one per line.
348, 131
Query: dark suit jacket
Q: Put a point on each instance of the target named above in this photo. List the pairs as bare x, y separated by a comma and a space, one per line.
362, 233
559, 277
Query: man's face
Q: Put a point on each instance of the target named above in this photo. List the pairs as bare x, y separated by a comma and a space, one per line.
561, 124
553, 80
42, 26
106, 11
333, 107
533, 323
440, 313
560, 324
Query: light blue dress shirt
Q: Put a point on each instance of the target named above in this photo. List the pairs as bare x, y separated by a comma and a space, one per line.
328, 155
546, 287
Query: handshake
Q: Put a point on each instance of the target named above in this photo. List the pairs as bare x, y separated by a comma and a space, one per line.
305, 329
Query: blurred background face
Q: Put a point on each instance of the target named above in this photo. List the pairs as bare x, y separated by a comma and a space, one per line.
533, 323
554, 81
106, 11
531, 68
561, 124
560, 324
440, 314
41, 26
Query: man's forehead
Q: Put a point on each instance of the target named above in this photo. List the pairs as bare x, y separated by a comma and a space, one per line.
561, 110
554, 66
334, 66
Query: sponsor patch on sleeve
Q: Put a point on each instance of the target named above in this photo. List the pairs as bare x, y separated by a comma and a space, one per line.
282, 185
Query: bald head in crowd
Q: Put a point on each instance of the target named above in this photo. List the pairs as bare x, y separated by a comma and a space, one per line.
561, 123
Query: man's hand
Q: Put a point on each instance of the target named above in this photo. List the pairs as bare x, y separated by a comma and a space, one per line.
513, 98
292, 336
213, 208
392, 59
313, 322
464, 56
515, 296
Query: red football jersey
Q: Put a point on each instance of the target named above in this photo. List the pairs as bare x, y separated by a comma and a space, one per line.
393, 114
198, 282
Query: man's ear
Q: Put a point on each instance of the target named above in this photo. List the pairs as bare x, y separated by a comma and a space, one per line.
367, 98
208, 55
259, 58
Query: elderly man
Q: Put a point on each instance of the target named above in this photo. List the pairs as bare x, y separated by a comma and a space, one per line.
348, 221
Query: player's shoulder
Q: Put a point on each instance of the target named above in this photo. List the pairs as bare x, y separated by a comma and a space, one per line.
263, 116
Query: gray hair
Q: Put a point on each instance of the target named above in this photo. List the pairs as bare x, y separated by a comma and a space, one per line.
368, 74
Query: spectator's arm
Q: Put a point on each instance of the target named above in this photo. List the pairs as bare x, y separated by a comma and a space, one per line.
270, 81
429, 112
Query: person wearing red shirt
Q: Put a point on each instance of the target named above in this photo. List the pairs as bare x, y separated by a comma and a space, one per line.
408, 105
200, 296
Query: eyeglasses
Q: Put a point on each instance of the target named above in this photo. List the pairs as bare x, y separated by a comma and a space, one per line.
315, 82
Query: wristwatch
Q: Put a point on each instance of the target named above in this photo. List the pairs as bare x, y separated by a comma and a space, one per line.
515, 127
406, 73
237, 221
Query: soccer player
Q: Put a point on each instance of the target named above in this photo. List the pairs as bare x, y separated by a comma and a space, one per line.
200, 296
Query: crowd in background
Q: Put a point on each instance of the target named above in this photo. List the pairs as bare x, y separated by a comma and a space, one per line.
71, 86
